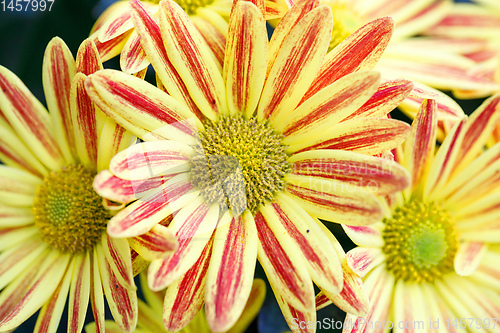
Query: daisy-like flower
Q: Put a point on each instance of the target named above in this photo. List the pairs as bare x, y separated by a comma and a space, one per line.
53, 240
114, 31
151, 313
432, 263
285, 132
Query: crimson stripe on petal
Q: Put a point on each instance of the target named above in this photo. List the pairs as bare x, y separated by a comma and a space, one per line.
88, 60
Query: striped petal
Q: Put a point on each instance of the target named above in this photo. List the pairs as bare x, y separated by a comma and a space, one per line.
371, 136
111, 48
363, 259
122, 300
117, 254
96, 293
368, 236
136, 104
298, 321
51, 312
246, 55
157, 243
28, 118
57, 73
231, 270
116, 24
468, 257
79, 293
411, 307
359, 51
133, 57
87, 58
374, 174
151, 159
296, 63
152, 43
292, 224
334, 201
192, 60
284, 268
184, 297
112, 139
193, 226
419, 148
37, 292
11, 217
214, 29
87, 122
252, 306
139, 217
328, 107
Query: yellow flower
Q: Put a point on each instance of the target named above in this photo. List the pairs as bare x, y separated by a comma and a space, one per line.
53, 240
432, 262
248, 155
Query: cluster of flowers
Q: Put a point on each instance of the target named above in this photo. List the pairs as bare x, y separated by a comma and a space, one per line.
235, 155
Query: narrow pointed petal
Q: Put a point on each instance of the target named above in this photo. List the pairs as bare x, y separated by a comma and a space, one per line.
129, 99
334, 201
370, 136
112, 139
133, 57
86, 122
57, 73
192, 60
79, 293
139, 217
292, 224
284, 269
51, 312
468, 257
374, 174
246, 55
213, 27
152, 43
359, 51
88, 60
387, 97
193, 226
38, 292
420, 146
368, 236
155, 244
298, 321
151, 159
296, 63
252, 307
117, 253
184, 297
28, 118
96, 293
328, 107
231, 270
364, 259
121, 190
122, 301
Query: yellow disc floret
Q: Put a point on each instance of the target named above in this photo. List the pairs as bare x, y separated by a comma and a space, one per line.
419, 242
68, 212
239, 163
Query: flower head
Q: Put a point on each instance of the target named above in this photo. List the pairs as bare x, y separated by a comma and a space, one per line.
238, 162
52, 222
439, 239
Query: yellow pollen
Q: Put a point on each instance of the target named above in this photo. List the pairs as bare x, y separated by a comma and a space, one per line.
419, 242
68, 212
239, 163
191, 6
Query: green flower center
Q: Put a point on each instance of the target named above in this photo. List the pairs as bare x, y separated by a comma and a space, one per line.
419, 242
239, 163
191, 6
68, 212
345, 22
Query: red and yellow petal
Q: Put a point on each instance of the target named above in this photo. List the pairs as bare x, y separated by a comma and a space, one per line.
79, 293
117, 255
113, 138
133, 58
157, 243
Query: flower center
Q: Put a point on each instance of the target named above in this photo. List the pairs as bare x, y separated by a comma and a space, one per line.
345, 21
419, 242
239, 163
68, 212
191, 6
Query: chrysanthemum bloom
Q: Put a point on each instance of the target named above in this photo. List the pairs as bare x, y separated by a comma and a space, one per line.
114, 32
432, 264
252, 153
151, 313
53, 239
